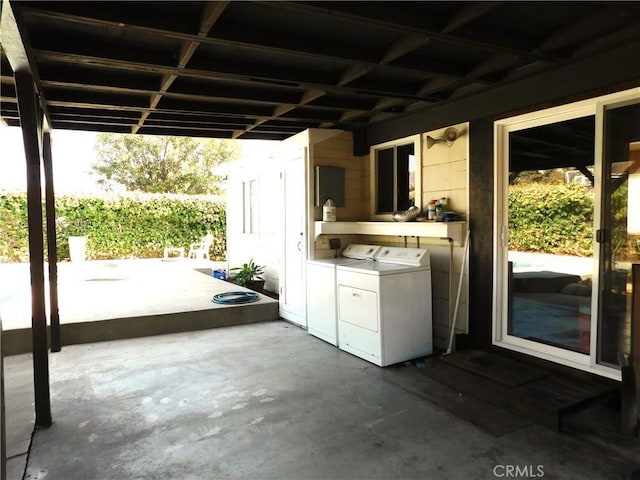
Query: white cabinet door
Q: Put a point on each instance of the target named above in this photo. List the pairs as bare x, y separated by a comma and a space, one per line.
322, 321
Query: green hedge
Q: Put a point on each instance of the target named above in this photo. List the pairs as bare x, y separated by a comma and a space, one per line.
126, 226
554, 219
542, 218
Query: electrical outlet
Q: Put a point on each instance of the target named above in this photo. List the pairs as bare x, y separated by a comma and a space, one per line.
322, 243
334, 243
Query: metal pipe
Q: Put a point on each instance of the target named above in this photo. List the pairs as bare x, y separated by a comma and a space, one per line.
455, 312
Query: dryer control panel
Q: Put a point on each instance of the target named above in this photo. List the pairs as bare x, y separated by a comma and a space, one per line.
404, 256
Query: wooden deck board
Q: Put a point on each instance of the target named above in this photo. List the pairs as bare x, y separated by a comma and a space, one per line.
500, 369
538, 395
493, 420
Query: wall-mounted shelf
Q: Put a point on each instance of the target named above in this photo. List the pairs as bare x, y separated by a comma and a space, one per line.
452, 230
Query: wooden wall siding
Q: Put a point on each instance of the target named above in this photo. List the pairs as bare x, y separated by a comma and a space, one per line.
444, 174
444, 170
338, 152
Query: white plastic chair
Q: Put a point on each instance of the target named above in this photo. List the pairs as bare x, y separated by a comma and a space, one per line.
201, 249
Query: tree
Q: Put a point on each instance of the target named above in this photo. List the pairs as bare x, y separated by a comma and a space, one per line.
158, 164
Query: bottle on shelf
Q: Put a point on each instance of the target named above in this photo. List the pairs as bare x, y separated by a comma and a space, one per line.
431, 210
438, 212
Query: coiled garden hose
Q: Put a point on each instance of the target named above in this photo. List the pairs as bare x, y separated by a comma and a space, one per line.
234, 298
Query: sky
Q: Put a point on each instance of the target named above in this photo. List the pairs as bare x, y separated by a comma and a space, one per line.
73, 153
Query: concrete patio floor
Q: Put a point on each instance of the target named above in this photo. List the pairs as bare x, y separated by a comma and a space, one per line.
267, 400
114, 299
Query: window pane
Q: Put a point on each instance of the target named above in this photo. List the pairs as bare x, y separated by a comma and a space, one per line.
405, 165
550, 214
250, 206
384, 180
253, 206
246, 213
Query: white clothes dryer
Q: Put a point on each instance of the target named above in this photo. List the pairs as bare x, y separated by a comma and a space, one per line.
385, 307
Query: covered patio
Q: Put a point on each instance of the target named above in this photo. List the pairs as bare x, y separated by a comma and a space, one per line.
379, 71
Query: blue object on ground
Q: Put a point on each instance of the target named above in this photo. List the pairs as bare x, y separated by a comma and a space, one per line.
233, 298
219, 274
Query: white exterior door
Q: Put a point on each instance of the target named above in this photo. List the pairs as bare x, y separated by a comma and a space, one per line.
293, 278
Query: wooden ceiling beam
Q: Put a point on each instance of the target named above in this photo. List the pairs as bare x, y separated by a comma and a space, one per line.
335, 57
386, 103
469, 12
353, 73
256, 79
404, 46
620, 38
211, 14
311, 95
18, 52
121, 117
608, 18
253, 116
435, 85
363, 14
308, 97
57, 88
493, 64
228, 93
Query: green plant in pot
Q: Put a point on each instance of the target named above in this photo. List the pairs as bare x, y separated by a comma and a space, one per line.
249, 275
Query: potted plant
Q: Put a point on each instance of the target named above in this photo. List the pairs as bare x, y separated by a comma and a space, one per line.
249, 275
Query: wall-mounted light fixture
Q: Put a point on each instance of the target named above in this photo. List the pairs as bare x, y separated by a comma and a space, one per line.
449, 136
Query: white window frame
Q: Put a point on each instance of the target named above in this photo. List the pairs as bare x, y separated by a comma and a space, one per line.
250, 211
417, 148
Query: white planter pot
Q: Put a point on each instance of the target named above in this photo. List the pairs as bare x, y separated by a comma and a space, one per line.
77, 248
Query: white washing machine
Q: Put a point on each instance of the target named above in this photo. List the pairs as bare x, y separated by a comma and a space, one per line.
322, 319
384, 307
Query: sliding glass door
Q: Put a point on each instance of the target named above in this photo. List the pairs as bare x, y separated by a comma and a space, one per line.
619, 233
550, 233
567, 230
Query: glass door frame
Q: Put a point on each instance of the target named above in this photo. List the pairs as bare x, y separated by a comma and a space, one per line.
602, 108
502, 128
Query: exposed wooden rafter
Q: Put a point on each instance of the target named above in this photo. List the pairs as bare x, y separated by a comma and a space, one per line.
265, 69
212, 13
398, 21
17, 49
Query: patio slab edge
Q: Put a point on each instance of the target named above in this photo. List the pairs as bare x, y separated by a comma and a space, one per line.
18, 341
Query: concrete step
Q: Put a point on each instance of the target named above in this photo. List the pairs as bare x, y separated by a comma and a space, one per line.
18, 341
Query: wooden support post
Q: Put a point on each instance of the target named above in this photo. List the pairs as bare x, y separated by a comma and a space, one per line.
52, 243
31, 121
